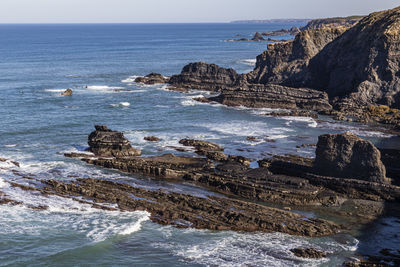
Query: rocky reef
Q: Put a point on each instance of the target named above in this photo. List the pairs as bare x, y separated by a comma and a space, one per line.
152, 78
284, 180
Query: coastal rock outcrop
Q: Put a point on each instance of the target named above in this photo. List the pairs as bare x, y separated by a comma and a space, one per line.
152, 78
348, 156
286, 62
310, 253
203, 76
105, 142
258, 37
332, 22
274, 96
361, 66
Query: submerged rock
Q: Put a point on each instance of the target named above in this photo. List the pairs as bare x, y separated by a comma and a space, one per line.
310, 253
152, 138
152, 78
348, 156
105, 142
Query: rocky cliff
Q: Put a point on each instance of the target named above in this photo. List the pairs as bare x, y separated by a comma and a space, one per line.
287, 62
362, 66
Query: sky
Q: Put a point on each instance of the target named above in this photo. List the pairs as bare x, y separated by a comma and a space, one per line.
173, 11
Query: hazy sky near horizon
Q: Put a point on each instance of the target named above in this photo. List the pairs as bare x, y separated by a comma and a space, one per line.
148, 11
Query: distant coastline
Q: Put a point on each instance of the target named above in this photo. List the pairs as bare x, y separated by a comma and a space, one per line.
272, 21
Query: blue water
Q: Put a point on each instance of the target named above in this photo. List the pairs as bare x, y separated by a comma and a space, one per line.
100, 62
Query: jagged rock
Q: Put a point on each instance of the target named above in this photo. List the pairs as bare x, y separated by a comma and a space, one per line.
286, 62
361, 66
274, 96
348, 156
258, 37
203, 76
105, 142
332, 22
152, 138
67, 92
201, 146
152, 78
310, 253
293, 113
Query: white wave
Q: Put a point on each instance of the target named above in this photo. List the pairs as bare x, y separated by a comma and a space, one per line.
135, 227
359, 131
2, 183
55, 90
189, 102
240, 249
11, 145
103, 87
130, 79
249, 62
248, 128
310, 121
121, 104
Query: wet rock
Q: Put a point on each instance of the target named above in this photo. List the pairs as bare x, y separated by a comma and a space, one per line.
294, 113
203, 76
348, 156
390, 158
152, 138
252, 138
105, 142
152, 78
201, 146
186, 211
309, 253
67, 92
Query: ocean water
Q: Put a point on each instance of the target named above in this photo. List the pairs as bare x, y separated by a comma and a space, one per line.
100, 62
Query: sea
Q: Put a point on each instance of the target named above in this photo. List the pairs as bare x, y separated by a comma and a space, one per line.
100, 62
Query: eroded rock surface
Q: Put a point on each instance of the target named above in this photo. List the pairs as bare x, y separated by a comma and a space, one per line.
348, 156
105, 142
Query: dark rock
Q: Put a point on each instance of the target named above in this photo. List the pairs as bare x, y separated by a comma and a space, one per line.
201, 146
152, 78
348, 156
152, 138
361, 66
258, 37
203, 76
105, 142
294, 113
252, 138
310, 253
67, 92
390, 158
274, 96
286, 63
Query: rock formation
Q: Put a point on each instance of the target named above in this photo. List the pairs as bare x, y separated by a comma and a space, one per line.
332, 22
274, 96
203, 76
152, 78
362, 65
310, 253
286, 62
258, 37
348, 156
105, 142
67, 92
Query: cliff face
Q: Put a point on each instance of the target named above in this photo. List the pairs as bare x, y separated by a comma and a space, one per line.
362, 66
332, 22
286, 62
356, 67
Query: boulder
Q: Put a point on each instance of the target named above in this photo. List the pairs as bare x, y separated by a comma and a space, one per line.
152, 138
105, 142
67, 92
310, 253
348, 156
201, 146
